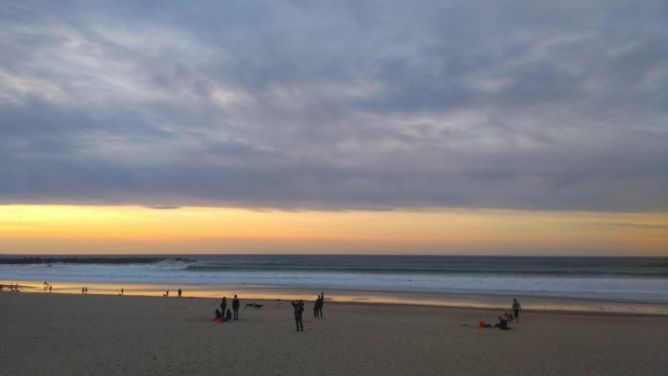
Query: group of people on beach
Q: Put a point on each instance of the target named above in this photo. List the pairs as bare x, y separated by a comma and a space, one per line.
224, 313
298, 309
506, 318
179, 292
13, 287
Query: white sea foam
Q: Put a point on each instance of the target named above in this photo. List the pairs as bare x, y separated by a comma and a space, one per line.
653, 289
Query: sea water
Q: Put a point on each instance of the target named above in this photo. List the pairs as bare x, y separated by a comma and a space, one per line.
624, 280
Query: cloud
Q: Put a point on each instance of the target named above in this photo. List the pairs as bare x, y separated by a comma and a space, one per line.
335, 106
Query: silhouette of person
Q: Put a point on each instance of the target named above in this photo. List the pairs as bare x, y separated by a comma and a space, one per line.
321, 303
235, 307
298, 306
502, 324
219, 315
223, 305
516, 310
179, 293
122, 292
317, 307
228, 315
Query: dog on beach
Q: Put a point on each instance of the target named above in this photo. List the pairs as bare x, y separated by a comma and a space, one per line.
253, 305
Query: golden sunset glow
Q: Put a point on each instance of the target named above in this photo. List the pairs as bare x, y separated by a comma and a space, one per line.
132, 229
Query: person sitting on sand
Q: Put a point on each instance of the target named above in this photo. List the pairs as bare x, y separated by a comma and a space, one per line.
516, 310
228, 315
219, 315
298, 306
502, 324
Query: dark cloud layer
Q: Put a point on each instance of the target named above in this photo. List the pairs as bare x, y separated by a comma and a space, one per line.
500, 104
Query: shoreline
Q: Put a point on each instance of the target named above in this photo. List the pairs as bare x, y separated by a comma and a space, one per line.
453, 301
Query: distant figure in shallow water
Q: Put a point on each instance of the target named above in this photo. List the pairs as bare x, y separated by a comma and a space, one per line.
122, 292
179, 293
516, 310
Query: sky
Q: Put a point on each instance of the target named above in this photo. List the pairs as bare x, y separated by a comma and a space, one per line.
478, 127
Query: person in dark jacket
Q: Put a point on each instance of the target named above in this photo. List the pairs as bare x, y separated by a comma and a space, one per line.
298, 306
235, 307
322, 303
223, 305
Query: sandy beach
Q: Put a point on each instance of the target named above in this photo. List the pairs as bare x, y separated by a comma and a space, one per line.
59, 334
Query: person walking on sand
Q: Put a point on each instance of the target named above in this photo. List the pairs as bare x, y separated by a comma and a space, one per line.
235, 307
516, 310
298, 306
223, 305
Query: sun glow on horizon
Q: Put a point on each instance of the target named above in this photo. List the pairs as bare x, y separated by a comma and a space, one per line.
49, 229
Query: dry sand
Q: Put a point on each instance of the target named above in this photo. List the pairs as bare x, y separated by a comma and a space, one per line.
43, 334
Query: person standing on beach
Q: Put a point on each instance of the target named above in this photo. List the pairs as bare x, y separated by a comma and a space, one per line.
316, 305
223, 305
322, 303
298, 306
235, 307
516, 310
179, 293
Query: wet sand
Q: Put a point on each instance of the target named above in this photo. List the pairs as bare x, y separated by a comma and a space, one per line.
57, 334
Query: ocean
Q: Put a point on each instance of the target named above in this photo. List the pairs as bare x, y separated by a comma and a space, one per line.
465, 280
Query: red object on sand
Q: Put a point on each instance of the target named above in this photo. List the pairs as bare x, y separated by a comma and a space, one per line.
481, 324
